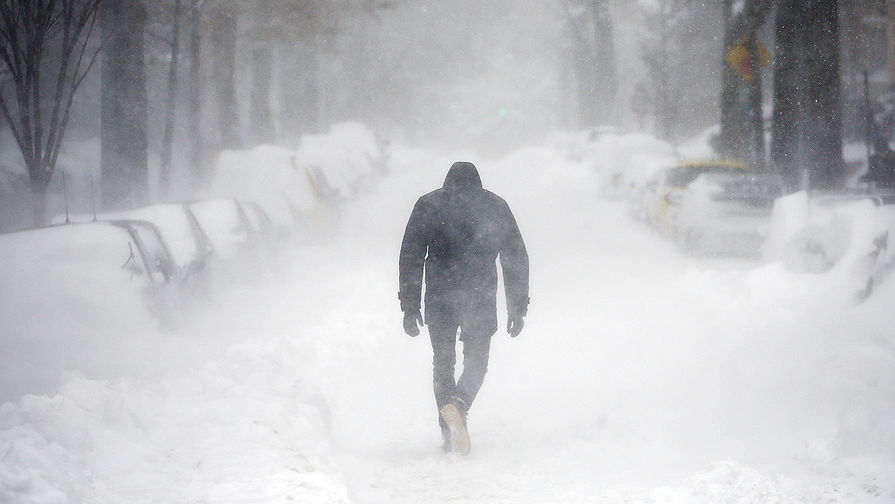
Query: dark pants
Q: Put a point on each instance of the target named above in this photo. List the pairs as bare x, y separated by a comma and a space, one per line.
476, 348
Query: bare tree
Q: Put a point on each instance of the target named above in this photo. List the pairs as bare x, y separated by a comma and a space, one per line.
38, 105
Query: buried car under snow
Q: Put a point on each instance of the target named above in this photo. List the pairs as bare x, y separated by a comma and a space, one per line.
178, 229
662, 195
727, 211
63, 274
847, 234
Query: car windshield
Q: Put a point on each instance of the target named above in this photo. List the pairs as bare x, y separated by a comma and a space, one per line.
681, 176
155, 248
747, 186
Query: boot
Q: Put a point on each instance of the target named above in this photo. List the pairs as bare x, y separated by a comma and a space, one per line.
454, 414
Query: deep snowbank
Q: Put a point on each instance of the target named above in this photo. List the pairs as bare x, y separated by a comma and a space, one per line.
225, 409
234, 431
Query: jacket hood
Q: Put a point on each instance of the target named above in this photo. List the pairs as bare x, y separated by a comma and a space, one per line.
462, 176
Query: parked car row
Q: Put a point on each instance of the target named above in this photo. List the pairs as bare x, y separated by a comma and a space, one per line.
165, 252
193, 233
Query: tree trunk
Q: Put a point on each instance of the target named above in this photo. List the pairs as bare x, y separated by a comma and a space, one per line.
262, 130
606, 83
125, 173
807, 129
583, 63
194, 115
581, 74
788, 84
40, 182
823, 103
890, 36
291, 92
223, 41
315, 100
170, 107
666, 110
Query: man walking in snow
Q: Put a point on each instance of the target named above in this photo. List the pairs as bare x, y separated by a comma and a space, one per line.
456, 234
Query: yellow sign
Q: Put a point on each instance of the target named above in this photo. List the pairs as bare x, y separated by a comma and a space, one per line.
738, 58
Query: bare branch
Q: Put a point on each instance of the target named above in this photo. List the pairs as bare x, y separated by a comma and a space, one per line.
28, 29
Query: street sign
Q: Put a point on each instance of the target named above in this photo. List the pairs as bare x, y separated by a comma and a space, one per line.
738, 58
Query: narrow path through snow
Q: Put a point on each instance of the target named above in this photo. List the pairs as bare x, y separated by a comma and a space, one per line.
638, 366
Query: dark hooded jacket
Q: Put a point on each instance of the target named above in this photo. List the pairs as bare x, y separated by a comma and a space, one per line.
456, 233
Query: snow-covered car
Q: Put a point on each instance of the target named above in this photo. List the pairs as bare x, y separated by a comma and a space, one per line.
727, 212
60, 271
623, 162
661, 197
226, 224
187, 243
70, 292
242, 236
158, 261
260, 220
849, 235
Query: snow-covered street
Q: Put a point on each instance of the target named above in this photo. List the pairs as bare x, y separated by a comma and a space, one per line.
642, 375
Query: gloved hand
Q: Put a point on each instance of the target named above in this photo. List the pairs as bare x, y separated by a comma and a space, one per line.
515, 324
413, 320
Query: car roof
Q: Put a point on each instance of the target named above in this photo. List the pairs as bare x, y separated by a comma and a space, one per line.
90, 241
711, 163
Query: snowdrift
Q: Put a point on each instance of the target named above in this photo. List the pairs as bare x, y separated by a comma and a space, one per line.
94, 440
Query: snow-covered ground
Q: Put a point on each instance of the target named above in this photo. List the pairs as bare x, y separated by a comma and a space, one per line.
642, 375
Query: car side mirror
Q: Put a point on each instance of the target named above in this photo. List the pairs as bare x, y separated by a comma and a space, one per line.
134, 269
163, 265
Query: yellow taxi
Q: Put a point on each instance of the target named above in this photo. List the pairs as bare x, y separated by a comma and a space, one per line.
664, 192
